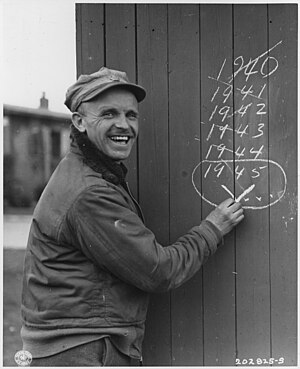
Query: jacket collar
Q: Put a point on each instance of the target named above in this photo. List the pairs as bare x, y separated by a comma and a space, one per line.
96, 160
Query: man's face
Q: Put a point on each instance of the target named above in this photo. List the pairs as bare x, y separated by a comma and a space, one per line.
111, 122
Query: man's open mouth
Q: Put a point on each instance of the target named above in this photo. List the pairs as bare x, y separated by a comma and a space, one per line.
120, 139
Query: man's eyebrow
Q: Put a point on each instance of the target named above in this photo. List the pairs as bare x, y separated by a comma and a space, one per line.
133, 111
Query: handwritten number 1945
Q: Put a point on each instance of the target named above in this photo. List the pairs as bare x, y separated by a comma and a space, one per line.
239, 170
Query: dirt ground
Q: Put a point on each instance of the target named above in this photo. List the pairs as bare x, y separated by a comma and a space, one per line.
12, 285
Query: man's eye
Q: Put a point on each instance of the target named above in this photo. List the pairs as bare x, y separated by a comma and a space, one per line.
132, 116
108, 114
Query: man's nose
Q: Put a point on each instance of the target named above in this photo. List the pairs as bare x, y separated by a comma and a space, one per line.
122, 122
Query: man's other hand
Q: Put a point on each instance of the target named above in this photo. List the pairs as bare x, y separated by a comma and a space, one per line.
226, 216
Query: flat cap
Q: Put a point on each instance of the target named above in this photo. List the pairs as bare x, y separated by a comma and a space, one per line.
90, 85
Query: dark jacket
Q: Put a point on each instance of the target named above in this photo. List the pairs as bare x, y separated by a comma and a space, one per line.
90, 260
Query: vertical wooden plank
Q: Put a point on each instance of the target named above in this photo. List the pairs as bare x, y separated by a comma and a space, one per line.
152, 57
215, 171
121, 55
185, 205
283, 150
89, 38
252, 236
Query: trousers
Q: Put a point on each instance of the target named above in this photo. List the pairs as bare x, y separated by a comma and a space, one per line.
96, 353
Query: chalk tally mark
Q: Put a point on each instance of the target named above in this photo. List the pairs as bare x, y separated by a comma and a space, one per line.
242, 195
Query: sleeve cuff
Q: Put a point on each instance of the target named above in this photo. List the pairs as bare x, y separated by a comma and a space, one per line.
212, 232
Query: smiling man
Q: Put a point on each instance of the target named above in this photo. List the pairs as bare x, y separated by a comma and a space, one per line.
110, 121
91, 262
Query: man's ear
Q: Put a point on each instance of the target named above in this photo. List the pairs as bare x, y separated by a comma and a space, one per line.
78, 122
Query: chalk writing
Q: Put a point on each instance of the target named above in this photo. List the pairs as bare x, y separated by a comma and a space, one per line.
235, 140
256, 168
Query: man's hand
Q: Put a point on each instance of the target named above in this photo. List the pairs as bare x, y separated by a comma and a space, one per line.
226, 216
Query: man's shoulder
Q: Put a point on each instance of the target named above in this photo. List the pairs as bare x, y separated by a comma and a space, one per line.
70, 178
71, 181
76, 172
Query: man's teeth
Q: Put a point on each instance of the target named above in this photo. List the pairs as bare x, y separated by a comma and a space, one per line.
120, 138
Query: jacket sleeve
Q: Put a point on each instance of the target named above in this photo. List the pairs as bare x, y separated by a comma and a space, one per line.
116, 239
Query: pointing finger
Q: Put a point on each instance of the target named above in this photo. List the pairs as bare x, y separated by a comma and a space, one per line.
226, 203
235, 206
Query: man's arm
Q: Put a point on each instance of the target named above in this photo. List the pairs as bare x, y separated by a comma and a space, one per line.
116, 239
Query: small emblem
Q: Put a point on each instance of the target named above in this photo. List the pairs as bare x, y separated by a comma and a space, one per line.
23, 358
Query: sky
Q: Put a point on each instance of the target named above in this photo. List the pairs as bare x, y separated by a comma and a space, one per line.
38, 51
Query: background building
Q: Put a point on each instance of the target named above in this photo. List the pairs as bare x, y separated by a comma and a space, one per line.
34, 142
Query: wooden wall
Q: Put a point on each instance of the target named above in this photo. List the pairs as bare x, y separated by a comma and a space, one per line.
220, 116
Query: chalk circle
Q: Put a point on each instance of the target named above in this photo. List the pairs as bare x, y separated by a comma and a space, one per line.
277, 196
